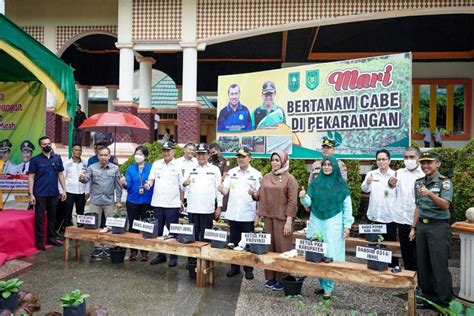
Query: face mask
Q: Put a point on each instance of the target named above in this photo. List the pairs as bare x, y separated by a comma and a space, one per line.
410, 164
214, 157
47, 149
139, 158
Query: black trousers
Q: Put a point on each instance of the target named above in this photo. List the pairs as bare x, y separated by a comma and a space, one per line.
433, 242
236, 230
391, 235
407, 247
167, 216
79, 200
48, 205
201, 223
136, 212
77, 136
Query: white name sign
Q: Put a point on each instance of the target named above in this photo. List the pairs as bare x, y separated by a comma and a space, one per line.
372, 229
252, 238
380, 255
86, 219
143, 226
222, 216
311, 246
181, 229
116, 221
219, 235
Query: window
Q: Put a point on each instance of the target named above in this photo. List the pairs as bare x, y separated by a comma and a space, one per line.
443, 104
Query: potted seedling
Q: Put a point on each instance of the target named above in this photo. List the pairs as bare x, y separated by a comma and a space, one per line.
74, 303
9, 294
186, 238
259, 249
151, 220
120, 213
218, 243
377, 265
117, 254
292, 285
96, 221
315, 256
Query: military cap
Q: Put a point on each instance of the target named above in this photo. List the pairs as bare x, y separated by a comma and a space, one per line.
202, 148
244, 151
27, 145
429, 156
268, 86
5, 144
168, 145
328, 143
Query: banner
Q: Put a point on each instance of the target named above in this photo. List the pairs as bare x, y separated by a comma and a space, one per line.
362, 105
22, 116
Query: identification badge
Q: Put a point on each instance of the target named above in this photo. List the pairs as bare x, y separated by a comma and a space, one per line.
141, 190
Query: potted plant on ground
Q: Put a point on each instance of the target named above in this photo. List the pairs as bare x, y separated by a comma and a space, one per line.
315, 256
74, 303
9, 294
151, 220
292, 285
120, 213
117, 254
377, 265
259, 249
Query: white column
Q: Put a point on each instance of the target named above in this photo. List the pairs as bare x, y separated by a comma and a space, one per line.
188, 37
467, 266
111, 97
84, 98
2, 6
126, 72
146, 65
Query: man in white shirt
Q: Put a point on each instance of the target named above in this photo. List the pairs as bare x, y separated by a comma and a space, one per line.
167, 198
8, 166
241, 209
382, 197
77, 192
26, 148
187, 163
201, 185
404, 207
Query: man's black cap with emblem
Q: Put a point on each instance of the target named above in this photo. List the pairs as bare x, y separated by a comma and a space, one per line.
429, 156
5, 144
244, 151
328, 143
168, 145
27, 145
268, 87
202, 148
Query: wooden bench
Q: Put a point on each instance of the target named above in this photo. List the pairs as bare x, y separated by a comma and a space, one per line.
131, 240
338, 271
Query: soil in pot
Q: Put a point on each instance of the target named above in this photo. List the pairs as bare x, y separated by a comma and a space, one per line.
117, 255
76, 310
92, 226
313, 256
258, 249
377, 265
11, 303
292, 285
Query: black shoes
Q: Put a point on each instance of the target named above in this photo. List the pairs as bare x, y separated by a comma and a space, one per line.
249, 275
54, 242
173, 262
40, 246
232, 272
159, 259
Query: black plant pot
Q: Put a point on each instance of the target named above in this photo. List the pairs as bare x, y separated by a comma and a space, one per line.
94, 226
11, 303
372, 237
185, 239
313, 256
120, 230
292, 285
192, 270
258, 249
76, 310
377, 265
117, 255
218, 244
147, 235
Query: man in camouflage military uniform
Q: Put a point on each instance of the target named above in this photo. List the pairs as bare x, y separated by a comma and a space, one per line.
328, 148
433, 198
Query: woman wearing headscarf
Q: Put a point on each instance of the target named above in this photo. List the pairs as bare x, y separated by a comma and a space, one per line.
278, 195
331, 214
138, 199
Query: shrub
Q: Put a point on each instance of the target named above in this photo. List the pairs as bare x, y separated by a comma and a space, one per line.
449, 158
463, 181
354, 180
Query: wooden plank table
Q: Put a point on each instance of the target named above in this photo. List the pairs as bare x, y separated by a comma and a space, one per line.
339, 271
131, 240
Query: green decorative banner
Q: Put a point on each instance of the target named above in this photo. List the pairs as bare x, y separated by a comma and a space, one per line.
363, 105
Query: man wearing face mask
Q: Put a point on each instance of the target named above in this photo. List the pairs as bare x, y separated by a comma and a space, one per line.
43, 174
216, 159
404, 207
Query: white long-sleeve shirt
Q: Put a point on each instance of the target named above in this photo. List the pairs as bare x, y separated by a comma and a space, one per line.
382, 197
72, 170
202, 192
404, 206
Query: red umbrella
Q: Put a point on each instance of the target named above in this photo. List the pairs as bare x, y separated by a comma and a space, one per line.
110, 122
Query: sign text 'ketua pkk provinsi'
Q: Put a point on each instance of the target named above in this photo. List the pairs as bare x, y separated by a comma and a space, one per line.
256, 238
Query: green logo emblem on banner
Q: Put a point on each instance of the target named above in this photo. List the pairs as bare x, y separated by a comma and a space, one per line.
312, 79
293, 81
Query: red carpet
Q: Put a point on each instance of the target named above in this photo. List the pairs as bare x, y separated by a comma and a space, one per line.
17, 234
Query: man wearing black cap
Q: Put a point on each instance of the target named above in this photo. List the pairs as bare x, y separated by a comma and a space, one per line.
167, 198
242, 209
223, 164
433, 198
8, 166
268, 113
328, 148
27, 149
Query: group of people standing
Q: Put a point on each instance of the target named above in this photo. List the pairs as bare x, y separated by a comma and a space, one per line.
413, 201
